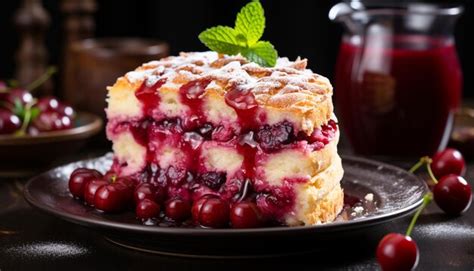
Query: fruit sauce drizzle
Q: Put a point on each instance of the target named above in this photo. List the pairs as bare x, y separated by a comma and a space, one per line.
250, 138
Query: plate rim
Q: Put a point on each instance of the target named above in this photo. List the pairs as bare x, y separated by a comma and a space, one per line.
143, 229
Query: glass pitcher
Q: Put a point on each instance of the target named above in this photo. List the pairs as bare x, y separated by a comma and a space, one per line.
398, 78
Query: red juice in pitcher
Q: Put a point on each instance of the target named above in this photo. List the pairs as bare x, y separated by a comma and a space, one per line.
397, 96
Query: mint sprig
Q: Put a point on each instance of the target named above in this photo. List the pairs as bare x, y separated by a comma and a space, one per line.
244, 37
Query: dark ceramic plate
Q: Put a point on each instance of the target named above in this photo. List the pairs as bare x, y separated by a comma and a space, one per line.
395, 194
19, 154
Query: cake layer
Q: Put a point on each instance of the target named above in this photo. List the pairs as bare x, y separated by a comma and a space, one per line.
220, 89
137, 145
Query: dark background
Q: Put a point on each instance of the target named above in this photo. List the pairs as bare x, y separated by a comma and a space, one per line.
296, 28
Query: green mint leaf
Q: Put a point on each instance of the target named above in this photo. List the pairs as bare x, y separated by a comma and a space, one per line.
262, 53
244, 38
222, 39
250, 22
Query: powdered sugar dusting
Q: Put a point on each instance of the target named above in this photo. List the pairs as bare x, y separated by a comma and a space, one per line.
48, 249
287, 76
447, 230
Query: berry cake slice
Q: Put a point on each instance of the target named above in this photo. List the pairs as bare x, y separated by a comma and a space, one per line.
206, 123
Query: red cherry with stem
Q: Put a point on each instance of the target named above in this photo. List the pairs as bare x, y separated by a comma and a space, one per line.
9, 122
78, 179
90, 189
178, 209
397, 252
452, 194
245, 215
147, 209
448, 161
214, 213
113, 197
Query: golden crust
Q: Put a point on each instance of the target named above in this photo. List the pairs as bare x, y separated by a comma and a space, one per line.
326, 209
319, 200
287, 89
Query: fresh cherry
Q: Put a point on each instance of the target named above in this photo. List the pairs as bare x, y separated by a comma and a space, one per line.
197, 205
51, 121
113, 197
178, 209
448, 161
19, 95
245, 215
90, 189
48, 104
9, 122
214, 213
78, 179
147, 209
52, 104
66, 110
148, 191
397, 252
452, 194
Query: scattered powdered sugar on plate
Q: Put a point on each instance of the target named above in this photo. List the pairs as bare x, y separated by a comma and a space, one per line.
48, 249
446, 230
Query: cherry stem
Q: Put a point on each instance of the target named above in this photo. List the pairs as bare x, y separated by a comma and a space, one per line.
426, 200
423, 160
26, 119
430, 172
39, 81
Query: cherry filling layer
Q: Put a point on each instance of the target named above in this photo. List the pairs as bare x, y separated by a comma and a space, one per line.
191, 143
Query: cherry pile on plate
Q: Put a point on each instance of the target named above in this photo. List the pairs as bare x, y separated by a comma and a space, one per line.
21, 113
452, 194
113, 194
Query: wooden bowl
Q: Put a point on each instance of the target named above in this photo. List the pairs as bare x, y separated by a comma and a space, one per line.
27, 155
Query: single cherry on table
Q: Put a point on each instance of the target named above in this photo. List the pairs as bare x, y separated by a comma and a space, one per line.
397, 252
